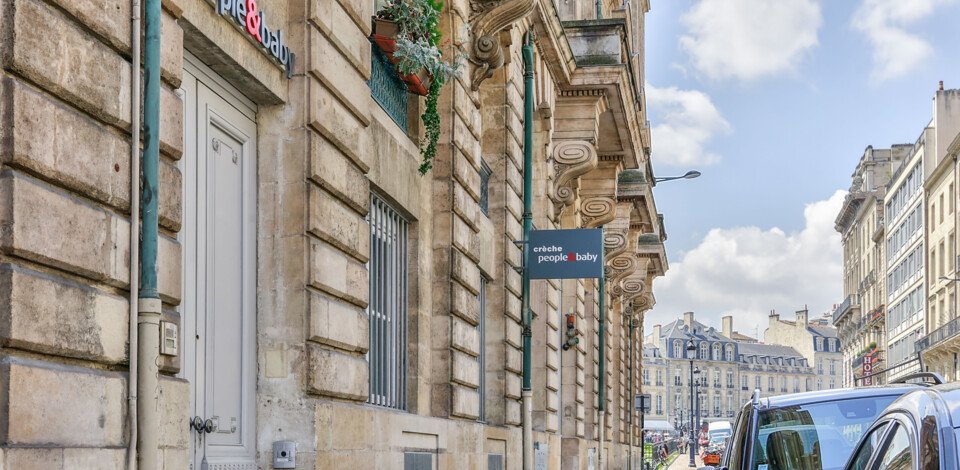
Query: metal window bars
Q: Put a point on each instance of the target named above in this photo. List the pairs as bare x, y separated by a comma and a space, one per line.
387, 309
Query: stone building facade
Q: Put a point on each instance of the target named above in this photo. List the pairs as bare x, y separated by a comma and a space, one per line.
904, 255
818, 343
731, 367
940, 144
860, 318
316, 288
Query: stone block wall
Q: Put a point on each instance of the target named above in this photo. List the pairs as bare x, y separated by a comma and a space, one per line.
65, 199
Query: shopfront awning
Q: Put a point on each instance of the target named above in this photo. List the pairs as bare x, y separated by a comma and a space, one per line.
657, 425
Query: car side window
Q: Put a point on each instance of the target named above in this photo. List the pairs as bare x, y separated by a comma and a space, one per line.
897, 455
869, 447
735, 445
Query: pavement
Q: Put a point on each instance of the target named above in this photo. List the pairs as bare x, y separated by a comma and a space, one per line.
683, 463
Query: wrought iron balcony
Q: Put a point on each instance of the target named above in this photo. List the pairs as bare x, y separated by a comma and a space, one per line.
851, 302
387, 89
939, 335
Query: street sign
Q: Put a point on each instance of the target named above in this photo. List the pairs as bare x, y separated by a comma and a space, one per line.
641, 402
565, 254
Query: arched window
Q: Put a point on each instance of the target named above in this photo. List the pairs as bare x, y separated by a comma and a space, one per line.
704, 350
677, 349
730, 352
819, 346
716, 351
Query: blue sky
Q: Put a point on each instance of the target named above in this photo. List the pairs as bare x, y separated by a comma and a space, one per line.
775, 101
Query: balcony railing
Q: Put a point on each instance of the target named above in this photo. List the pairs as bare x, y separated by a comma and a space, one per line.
852, 301
387, 89
939, 335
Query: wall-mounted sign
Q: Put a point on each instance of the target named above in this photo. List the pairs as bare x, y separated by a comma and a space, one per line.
251, 19
565, 254
641, 402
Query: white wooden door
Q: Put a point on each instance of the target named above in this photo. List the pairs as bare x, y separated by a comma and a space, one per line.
218, 237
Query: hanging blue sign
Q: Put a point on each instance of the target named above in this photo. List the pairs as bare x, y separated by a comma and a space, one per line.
565, 254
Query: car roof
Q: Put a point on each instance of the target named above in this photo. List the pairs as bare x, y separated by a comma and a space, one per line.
804, 398
924, 402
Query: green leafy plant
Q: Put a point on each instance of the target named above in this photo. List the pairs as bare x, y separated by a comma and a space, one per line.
419, 45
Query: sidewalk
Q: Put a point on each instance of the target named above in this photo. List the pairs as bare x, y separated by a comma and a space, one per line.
683, 462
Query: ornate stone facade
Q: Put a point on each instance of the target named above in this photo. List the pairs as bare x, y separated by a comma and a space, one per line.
330, 160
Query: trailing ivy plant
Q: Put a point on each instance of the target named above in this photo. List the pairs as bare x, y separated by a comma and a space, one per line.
418, 48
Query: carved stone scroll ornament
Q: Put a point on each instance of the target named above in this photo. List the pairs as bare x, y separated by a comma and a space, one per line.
619, 268
597, 211
487, 52
643, 303
571, 159
615, 242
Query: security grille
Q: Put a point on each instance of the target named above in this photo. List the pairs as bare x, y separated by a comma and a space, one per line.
387, 309
417, 461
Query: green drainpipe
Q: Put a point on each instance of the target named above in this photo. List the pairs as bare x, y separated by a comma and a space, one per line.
527, 392
148, 305
151, 151
601, 457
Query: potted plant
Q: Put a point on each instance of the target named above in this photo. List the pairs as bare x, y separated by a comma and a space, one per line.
408, 32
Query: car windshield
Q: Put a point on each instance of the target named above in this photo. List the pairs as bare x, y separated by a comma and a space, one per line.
817, 436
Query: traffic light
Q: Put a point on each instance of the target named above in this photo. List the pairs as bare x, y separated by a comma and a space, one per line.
572, 332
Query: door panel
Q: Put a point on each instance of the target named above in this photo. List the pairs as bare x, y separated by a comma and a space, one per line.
219, 173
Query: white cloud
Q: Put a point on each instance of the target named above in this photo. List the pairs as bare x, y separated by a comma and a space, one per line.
749, 39
895, 51
747, 271
684, 121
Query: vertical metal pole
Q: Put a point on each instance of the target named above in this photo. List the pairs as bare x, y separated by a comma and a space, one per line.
148, 318
693, 464
602, 358
527, 392
599, 7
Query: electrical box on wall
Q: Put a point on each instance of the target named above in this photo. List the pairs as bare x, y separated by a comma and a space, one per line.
169, 338
284, 454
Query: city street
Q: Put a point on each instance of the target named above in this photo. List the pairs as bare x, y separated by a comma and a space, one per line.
433, 234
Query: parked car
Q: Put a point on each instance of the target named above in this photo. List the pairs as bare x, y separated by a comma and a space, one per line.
918, 431
805, 431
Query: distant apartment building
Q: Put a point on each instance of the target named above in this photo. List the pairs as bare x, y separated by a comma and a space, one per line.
814, 340
904, 263
732, 365
940, 144
860, 319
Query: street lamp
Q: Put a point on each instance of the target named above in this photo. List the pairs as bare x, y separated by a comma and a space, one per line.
686, 176
691, 353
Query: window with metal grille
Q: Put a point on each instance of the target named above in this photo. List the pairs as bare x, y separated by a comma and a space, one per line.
485, 173
482, 358
387, 309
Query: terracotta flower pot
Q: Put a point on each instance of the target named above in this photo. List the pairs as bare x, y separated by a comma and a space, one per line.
385, 35
418, 83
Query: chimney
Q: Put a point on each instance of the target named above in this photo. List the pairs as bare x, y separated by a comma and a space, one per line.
774, 316
728, 326
656, 334
688, 320
941, 85
803, 317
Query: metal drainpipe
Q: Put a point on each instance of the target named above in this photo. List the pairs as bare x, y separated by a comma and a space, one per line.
602, 369
148, 320
630, 395
134, 235
527, 392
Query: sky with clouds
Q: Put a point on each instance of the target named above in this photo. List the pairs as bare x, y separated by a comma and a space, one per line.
775, 101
